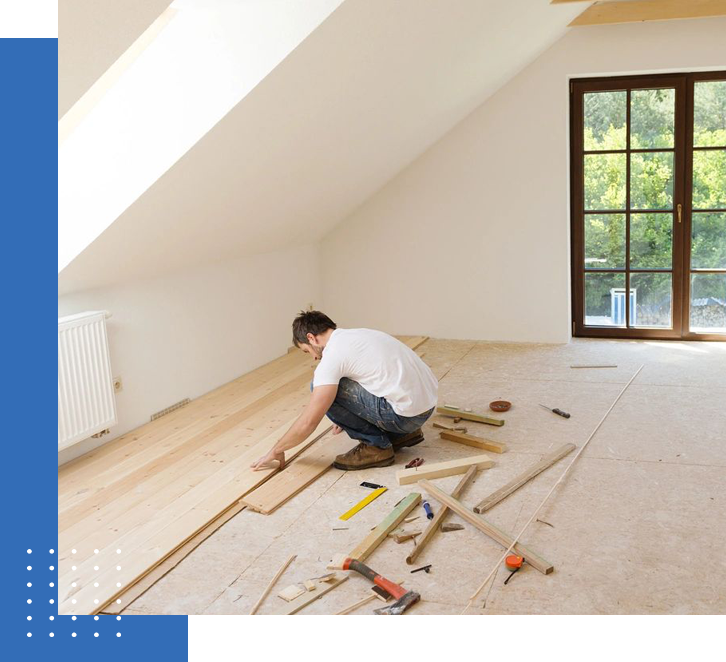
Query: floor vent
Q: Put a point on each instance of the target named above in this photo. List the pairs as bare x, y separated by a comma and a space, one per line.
168, 410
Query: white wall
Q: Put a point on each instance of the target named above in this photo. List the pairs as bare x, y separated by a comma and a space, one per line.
185, 334
472, 239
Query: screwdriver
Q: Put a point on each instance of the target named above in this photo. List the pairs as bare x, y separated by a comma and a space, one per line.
559, 412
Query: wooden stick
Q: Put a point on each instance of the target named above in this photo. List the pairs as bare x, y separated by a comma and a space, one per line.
513, 485
502, 537
593, 366
442, 469
355, 605
277, 576
439, 517
476, 442
547, 496
367, 546
469, 416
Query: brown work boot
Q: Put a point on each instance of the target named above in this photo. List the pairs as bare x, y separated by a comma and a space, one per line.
411, 439
364, 456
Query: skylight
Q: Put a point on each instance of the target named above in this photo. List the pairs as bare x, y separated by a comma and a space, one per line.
189, 70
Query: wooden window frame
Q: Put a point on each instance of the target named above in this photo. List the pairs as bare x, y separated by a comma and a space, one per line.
682, 194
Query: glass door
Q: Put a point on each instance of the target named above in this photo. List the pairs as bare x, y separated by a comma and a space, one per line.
649, 206
705, 316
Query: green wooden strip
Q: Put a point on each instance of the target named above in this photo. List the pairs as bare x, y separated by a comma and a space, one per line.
379, 534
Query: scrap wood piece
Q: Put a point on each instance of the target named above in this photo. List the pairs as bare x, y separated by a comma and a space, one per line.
366, 547
442, 469
403, 536
468, 415
363, 503
302, 472
273, 581
448, 528
289, 593
513, 485
476, 442
439, 517
312, 596
502, 537
593, 366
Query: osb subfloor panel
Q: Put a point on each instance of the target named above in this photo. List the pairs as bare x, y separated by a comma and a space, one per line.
637, 527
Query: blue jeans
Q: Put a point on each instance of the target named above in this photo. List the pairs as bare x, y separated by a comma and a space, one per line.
368, 418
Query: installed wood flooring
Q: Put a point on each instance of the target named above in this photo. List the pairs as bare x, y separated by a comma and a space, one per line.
127, 506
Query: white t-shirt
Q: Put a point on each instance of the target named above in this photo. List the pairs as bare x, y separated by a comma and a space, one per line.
382, 365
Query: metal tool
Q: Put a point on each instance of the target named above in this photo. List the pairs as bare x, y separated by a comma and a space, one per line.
559, 412
404, 599
425, 568
373, 486
416, 462
427, 508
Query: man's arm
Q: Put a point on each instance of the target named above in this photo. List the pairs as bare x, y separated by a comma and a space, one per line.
320, 401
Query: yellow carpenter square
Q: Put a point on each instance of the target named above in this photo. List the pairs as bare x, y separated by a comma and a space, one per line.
362, 504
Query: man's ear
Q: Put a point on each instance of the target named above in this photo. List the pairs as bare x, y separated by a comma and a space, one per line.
310, 338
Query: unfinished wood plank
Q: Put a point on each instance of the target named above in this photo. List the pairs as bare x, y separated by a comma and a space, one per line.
513, 485
636, 11
143, 584
476, 442
439, 517
273, 581
311, 596
298, 475
468, 416
442, 469
368, 545
150, 543
502, 537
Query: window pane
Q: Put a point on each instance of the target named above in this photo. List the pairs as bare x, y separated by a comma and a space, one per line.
605, 120
605, 181
651, 241
605, 241
651, 180
652, 114
652, 296
709, 179
708, 241
708, 303
709, 114
604, 299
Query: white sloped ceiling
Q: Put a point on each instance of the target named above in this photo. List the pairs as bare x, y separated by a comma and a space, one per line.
372, 87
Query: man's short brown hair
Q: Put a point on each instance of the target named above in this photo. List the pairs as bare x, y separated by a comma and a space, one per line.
310, 321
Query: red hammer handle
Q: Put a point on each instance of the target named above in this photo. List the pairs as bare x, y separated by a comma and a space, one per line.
394, 589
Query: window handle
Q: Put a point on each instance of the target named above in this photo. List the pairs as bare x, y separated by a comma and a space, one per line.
680, 211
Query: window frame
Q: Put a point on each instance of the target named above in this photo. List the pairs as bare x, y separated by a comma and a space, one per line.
682, 194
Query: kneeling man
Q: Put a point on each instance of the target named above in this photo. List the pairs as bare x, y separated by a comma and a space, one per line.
369, 384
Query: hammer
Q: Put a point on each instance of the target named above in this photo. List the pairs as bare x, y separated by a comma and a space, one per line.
404, 599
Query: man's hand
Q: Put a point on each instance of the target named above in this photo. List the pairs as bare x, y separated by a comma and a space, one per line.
272, 460
337, 429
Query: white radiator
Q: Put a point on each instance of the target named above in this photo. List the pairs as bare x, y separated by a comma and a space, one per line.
86, 402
